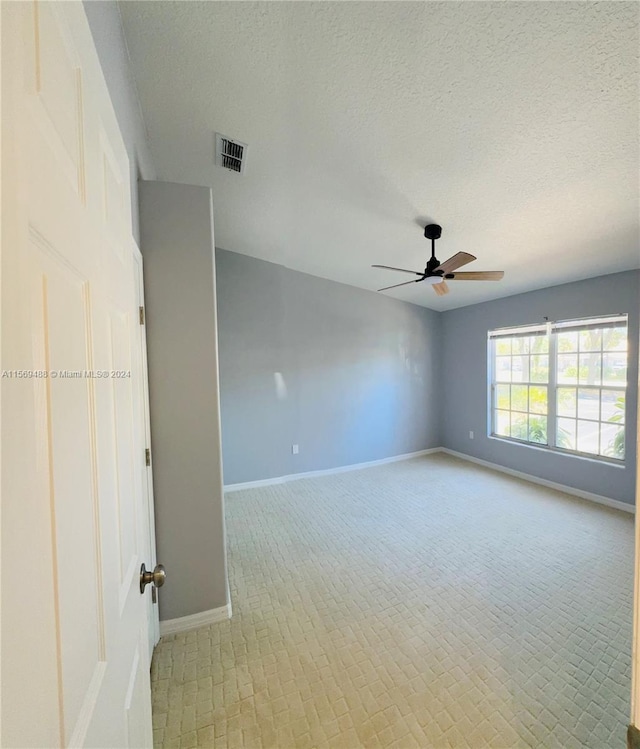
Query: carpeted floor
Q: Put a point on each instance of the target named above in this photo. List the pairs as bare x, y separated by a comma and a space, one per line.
425, 603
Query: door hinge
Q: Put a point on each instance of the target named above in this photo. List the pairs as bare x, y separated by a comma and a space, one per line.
147, 456
141, 315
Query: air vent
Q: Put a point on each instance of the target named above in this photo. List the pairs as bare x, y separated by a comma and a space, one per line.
230, 154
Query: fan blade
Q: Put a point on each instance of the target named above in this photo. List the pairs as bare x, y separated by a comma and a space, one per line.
406, 283
479, 275
402, 270
440, 288
457, 261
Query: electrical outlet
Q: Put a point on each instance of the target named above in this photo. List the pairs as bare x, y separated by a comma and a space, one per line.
295, 449
470, 435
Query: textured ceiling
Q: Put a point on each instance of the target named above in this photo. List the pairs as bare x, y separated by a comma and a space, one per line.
513, 125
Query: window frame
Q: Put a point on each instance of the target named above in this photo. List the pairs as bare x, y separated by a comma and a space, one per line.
552, 330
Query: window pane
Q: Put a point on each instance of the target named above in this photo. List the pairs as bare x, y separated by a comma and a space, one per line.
539, 344
588, 437
612, 441
566, 403
589, 404
520, 345
519, 398
567, 342
503, 422
566, 434
568, 369
589, 373
538, 429
503, 346
520, 369
503, 368
614, 369
539, 369
615, 339
519, 426
503, 399
613, 403
538, 401
590, 340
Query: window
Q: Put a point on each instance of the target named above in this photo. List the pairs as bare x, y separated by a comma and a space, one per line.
561, 385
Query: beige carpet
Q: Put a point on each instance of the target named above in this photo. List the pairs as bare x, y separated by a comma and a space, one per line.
426, 603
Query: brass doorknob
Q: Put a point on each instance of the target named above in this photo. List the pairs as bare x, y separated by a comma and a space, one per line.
157, 577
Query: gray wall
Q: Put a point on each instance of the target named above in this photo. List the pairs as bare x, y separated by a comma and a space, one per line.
177, 243
465, 379
108, 36
360, 372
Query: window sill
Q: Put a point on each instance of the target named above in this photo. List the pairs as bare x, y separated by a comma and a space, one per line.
613, 462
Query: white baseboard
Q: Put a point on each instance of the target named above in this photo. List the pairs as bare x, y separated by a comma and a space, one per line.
327, 471
624, 506
194, 621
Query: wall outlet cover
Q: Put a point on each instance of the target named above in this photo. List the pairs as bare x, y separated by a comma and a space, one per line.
295, 449
470, 435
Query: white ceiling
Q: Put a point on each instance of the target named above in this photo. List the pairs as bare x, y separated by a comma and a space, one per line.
513, 125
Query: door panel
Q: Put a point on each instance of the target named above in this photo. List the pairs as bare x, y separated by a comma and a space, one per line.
71, 465
76, 528
55, 81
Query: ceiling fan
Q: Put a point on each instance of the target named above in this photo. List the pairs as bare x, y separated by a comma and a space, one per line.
436, 273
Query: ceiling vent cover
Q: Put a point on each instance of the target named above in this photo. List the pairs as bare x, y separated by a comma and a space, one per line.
231, 154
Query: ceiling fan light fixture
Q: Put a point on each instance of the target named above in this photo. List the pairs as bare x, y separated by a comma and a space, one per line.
433, 280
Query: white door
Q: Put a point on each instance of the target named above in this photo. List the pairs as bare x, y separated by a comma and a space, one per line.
75, 500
